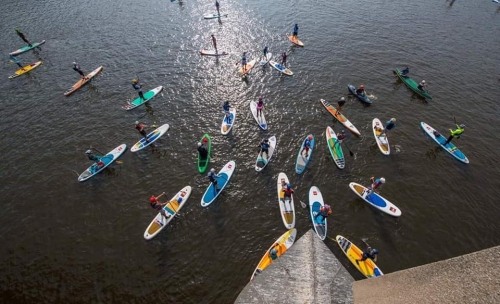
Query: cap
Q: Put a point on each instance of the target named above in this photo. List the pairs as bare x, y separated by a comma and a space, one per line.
199, 144
393, 119
136, 122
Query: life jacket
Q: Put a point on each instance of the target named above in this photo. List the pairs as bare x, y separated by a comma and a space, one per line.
307, 143
140, 127
288, 191
264, 145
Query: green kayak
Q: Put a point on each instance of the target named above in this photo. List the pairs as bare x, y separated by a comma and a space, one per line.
203, 163
412, 84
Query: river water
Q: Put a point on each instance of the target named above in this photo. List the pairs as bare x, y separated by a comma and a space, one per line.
64, 241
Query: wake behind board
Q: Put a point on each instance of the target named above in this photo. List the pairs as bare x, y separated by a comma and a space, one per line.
83, 82
283, 69
440, 140
225, 175
315, 203
147, 97
367, 267
260, 119
25, 69
266, 60
340, 117
248, 67
295, 40
107, 160
214, 16
335, 148
27, 48
172, 208
381, 137
213, 53
262, 160
227, 125
302, 159
203, 163
152, 137
375, 200
287, 208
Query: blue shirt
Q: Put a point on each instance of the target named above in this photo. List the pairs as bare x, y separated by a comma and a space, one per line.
226, 107
307, 143
295, 28
389, 125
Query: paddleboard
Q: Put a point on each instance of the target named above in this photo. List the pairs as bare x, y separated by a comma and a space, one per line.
152, 137
203, 163
367, 267
27, 48
268, 57
107, 159
375, 200
283, 243
261, 119
225, 175
214, 16
147, 97
315, 203
335, 148
295, 40
262, 161
283, 69
82, 82
249, 67
362, 98
381, 137
287, 208
302, 160
340, 117
440, 139
172, 207
213, 53
226, 127
496, 1
25, 69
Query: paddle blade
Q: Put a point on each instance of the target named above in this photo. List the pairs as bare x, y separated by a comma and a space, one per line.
350, 153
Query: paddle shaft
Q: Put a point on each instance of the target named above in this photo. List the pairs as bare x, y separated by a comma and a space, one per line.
350, 152
96, 150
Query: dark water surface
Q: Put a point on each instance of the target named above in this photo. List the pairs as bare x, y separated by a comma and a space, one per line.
64, 241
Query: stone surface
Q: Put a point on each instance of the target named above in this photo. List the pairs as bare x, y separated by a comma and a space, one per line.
307, 273
471, 278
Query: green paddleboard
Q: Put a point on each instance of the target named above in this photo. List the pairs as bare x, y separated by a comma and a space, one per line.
203, 163
139, 102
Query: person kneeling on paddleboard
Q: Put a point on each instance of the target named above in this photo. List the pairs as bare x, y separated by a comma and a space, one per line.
226, 107
260, 106
369, 253
140, 127
376, 184
324, 211
264, 147
459, 131
361, 90
288, 191
98, 163
138, 88
341, 136
77, 68
202, 150
273, 253
307, 145
213, 178
155, 204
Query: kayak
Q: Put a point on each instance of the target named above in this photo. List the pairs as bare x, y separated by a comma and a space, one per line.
440, 139
260, 119
214, 16
268, 57
283, 243
262, 161
172, 207
152, 137
283, 69
295, 40
340, 117
302, 160
203, 163
375, 200
249, 66
367, 267
315, 203
226, 127
25, 69
82, 82
381, 137
213, 53
335, 148
363, 98
107, 160
287, 208
412, 84
147, 97
225, 175
27, 48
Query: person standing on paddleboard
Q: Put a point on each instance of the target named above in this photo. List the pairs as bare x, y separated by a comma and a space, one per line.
16, 61
376, 184
213, 179
140, 127
283, 59
138, 88
369, 253
202, 150
244, 59
265, 52
458, 131
260, 106
295, 30
226, 107
155, 204
20, 34
98, 163
307, 146
77, 68
214, 43
264, 147
217, 6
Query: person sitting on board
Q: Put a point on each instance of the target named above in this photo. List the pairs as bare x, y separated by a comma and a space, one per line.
92, 157
341, 136
155, 204
265, 52
260, 106
264, 147
213, 179
20, 34
140, 127
391, 124
295, 31
138, 88
458, 131
422, 85
376, 184
324, 211
307, 145
226, 107
217, 6
16, 61
273, 252
202, 150
214, 43
405, 71
369, 253
288, 191
244, 59
361, 90
77, 68
283, 59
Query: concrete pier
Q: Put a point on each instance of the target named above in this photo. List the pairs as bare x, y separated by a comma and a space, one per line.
307, 273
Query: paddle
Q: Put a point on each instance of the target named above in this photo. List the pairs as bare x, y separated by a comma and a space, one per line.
160, 195
454, 119
96, 150
350, 152
364, 241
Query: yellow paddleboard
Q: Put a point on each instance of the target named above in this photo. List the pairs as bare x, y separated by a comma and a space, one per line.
25, 69
353, 253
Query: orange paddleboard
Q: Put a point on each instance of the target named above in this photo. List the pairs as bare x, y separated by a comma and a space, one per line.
295, 41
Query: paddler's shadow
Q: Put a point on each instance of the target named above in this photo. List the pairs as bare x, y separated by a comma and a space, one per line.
432, 153
219, 20
149, 109
110, 172
415, 96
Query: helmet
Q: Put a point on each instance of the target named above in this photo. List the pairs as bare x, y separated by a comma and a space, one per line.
375, 251
462, 126
310, 137
152, 199
289, 185
136, 122
423, 81
199, 144
212, 170
88, 151
393, 119
382, 180
362, 86
342, 98
343, 132
205, 140
134, 80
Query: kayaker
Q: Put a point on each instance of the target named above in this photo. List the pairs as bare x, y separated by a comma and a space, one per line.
214, 42
213, 179
20, 34
217, 5
288, 191
341, 136
361, 90
283, 59
391, 124
307, 145
405, 71
273, 252
265, 52
422, 85
77, 68
324, 211
295, 30
376, 184
264, 147
260, 106
141, 128
369, 253
138, 88
226, 107
16, 61
202, 150
458, 131
155, 204
244, 59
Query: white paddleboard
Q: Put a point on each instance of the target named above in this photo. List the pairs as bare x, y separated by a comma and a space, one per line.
315, 203
213, 53
268, 57
172, 208
214, 16
226, 127
262, 161
283, 69
335, 148
261, 119
375, 200
107, 159
225, 175
287, 208
152, 137
381, 137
